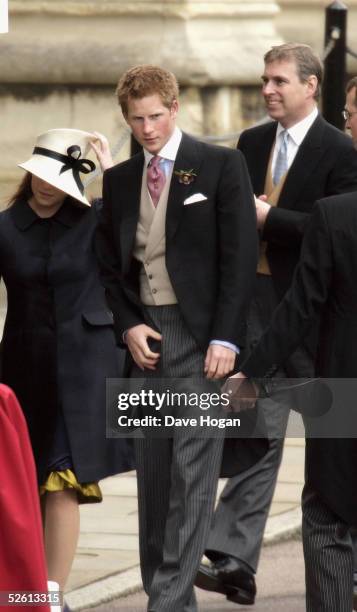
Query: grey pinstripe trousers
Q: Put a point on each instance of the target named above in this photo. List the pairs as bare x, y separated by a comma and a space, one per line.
177, 482
328, 553
240, 517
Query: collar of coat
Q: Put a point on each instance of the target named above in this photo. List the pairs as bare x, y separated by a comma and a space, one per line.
24, 216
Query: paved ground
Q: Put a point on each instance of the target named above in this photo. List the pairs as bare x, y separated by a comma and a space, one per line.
280, 584
106, 564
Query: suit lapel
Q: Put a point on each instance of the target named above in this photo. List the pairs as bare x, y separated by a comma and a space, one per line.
131, 183
304, 164
258, 167
189, 157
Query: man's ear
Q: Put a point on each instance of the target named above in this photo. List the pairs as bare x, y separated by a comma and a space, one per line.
312, 84
174, 108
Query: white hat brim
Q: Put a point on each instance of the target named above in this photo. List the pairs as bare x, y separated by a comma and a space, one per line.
48, 170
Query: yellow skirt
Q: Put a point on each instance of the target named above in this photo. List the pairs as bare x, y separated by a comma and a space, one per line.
88, 493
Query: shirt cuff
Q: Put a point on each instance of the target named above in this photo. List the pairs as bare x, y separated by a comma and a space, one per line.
229, 345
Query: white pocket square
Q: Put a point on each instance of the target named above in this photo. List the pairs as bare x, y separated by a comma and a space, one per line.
196, 197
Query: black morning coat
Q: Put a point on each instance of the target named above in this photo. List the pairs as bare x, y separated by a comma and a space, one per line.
211, 246
58, 345
325, 165
325, 285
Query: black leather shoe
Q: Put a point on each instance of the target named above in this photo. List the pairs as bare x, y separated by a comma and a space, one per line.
228, 576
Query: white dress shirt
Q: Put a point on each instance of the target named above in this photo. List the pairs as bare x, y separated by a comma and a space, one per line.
297, 134
168, 152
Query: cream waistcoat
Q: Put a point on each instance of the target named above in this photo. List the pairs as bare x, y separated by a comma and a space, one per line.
150, 248
273, 192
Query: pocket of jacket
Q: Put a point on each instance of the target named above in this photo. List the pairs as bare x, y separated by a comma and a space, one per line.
97, 318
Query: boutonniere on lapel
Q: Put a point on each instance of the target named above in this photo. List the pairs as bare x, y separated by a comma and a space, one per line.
186, 177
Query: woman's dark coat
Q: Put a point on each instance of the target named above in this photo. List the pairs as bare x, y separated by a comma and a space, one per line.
58, 345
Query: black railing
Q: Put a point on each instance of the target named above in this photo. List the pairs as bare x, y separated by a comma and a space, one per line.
334, 57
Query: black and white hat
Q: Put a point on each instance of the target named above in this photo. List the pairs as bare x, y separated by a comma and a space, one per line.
58, 158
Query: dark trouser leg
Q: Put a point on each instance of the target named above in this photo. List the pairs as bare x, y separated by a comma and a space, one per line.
177, 481
328, 553
152, 458
242, 512
243, 509
174, 522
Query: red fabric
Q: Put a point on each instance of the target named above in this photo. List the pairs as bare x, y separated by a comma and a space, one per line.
22, 558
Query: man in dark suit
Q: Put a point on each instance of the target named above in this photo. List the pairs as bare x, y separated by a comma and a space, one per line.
350, 110
178, 251
292, 161
324, 286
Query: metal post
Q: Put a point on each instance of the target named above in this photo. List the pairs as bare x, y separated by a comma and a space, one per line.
333, 89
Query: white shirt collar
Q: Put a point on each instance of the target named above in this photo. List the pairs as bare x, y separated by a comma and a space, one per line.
169, 150
298, 131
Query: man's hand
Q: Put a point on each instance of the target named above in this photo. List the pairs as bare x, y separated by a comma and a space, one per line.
100, 146
242, 392
136, 339
219, 361
262, 209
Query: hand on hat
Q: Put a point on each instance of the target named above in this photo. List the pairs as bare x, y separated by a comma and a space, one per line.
100, 146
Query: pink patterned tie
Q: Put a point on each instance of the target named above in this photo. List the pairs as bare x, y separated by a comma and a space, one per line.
156, 179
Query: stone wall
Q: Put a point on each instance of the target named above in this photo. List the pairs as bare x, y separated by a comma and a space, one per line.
60, 62
304, 21
86, 41
29, 110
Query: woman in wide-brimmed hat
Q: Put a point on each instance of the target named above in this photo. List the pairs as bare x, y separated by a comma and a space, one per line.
58, 345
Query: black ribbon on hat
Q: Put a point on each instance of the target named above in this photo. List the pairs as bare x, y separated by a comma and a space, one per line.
71, 161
